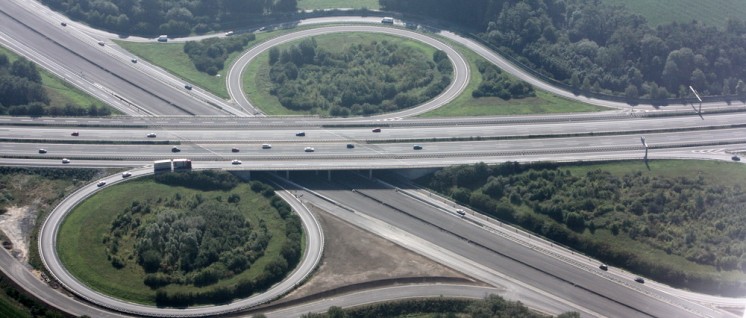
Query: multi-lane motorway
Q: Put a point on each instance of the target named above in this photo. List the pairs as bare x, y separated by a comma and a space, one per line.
541, 276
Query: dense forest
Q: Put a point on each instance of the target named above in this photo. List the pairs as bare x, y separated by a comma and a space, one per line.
209, 55
362, 79
22, 93
172, 17
598, 48
492, 306
683, 216
495, 83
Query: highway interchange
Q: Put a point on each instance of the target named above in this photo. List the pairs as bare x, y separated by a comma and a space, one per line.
552, 281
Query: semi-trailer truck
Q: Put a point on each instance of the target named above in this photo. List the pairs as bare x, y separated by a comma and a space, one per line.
169, 165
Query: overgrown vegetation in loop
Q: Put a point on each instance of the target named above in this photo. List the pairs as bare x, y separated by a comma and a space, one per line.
172, 17
680, 223
492, 306
201, 238
595, 47
27, 91
496, 84
362, 79
209, 55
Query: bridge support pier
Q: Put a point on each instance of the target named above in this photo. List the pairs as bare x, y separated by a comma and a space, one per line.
370, 174
329, 175
287, 174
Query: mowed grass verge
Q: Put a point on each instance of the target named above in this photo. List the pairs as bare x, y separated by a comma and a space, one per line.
59, 91
333, 4
256, 82
80, 247
712, 172
657, 12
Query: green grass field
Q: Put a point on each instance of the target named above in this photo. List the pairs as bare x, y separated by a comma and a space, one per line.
256, 79
80, 238
331, 4
713, 12
60, 92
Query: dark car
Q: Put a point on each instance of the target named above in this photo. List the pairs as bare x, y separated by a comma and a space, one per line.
75, 134
300, 134
234, 149
417, 147
63, 23
735, 158
42, 150
151, 135
640, 280
350, 146
376, 130
175, 149
188, 87
101, 184
603, 267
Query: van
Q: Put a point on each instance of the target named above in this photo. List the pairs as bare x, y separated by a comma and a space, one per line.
163, 38
387, 20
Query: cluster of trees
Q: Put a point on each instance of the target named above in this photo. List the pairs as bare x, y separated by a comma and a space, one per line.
492, 306
682, 216
172, 17
209, 55
497, 84
362, 79
595, 47
22, 93
208, 241
208, 180
193, 240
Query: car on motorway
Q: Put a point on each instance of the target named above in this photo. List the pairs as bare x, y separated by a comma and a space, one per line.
603, 267
126, 174
42, 150
65, 160
640, 280
229, 33
376, 130
234, 149
188, 87
350, 146
101, 43
133, 60
417, 147
162, 38
236, 162
151, 135
735, 158
75, 134
309, 149
460, 212
175, 149
300, 134
266, 146
63, 23
101, 184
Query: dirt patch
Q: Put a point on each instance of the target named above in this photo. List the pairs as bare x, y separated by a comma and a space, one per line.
17, 224
353, 256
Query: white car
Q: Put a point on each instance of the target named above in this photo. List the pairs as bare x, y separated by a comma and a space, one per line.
266, 146
126, 174
236, 162
309, 149
151, 135
65, 160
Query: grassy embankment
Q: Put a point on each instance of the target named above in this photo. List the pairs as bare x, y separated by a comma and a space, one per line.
657, 12
80, 239
59, 91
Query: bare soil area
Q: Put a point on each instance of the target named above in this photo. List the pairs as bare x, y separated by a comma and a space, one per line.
17, 223
354, 256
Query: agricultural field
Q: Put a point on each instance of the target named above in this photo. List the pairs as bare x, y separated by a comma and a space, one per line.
713, 12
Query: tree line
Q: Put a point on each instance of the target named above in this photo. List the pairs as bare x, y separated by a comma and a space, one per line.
682, 216
595, 47
362, 79
172, 17
492, 306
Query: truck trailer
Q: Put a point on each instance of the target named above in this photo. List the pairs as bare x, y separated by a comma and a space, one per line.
170, 165
161, 166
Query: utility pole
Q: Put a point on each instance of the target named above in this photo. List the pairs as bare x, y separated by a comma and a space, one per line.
644, 143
